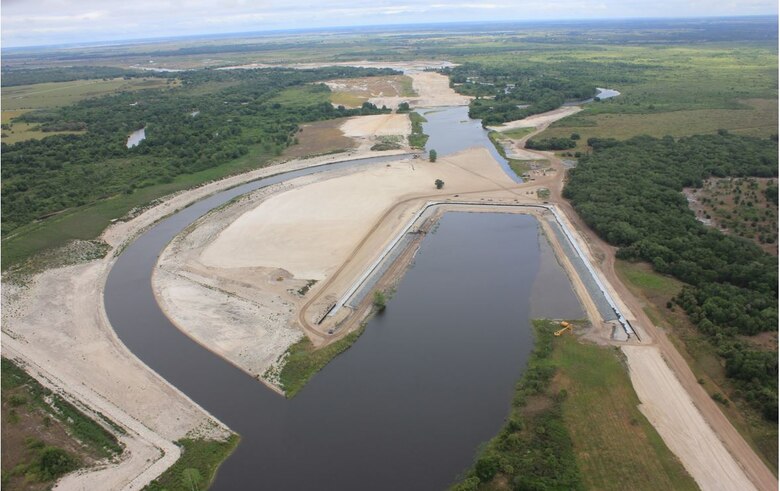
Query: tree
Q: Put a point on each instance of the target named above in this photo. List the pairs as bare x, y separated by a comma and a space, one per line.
575, 136
432, 155
380, 301
439, 183
403, 107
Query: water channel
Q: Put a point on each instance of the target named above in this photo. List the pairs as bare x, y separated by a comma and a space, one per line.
408, 405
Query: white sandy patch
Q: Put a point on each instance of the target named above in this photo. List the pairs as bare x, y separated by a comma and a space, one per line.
377, 125
537, 120
433, 90
670, 409
309, 230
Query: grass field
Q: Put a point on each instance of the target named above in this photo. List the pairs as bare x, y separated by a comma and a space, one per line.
517, 133
56, 94
615, 446
580, 393
656, 290
197, 467
21, 99
322, 137
757, 118
303, 361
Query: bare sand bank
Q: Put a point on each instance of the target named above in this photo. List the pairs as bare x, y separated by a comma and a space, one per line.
54, 323
671, 411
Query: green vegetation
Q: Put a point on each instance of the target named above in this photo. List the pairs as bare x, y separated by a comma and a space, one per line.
380, 301
43, 436
403, 108
517, 89
543, 193
520, 167
197, 466
44, 464
534, 449
630, 194
432, 155
746, 207
82, 427
551, 144
575, 424
417, 139
700, 353
518, 133
438, 183
616, 447
28, 76
390, 142
303, 360
239, 125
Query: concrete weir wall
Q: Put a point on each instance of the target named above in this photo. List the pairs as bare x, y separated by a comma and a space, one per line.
606, 305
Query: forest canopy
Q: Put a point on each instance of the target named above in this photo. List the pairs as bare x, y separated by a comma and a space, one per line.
630, 193
215, 117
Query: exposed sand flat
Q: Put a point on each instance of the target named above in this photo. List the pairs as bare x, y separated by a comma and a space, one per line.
542, 119
55, 324
237, 275
377, 125
433, 90
308, 231
671, 411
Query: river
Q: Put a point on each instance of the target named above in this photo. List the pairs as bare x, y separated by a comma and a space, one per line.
409, 404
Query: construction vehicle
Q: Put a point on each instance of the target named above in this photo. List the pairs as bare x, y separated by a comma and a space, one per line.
566, 327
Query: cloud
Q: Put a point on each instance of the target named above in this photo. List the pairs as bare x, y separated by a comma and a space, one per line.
35, 22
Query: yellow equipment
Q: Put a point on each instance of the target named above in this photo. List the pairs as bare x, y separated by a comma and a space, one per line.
566, 327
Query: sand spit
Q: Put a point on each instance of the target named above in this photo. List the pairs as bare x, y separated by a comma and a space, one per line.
55, 324
539, 120
671, 411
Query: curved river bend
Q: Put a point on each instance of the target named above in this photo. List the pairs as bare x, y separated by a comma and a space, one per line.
408, 405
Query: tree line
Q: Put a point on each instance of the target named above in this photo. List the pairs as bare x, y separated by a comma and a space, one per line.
630, 193
215, 117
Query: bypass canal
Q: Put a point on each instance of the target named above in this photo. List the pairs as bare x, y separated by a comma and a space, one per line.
408, 405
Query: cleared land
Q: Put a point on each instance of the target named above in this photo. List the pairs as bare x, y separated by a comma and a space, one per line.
669, 407
355, 91
319, 138
655, 290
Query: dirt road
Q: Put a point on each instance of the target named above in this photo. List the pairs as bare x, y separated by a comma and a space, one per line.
655, 338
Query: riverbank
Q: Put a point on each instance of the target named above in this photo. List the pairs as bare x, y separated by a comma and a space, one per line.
77, 353
574, 424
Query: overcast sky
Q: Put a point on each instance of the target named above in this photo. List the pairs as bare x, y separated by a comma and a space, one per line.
37, 22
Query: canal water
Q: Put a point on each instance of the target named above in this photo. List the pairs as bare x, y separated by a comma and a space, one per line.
409, 404
451, 130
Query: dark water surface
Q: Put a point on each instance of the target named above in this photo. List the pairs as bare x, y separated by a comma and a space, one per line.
407, 406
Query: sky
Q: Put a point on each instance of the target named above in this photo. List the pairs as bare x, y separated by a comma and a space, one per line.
44, 22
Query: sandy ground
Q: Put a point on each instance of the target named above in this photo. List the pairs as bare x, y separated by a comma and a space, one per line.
55, 324
671, 411
237, 275
539, 120
433, 90
368, 130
